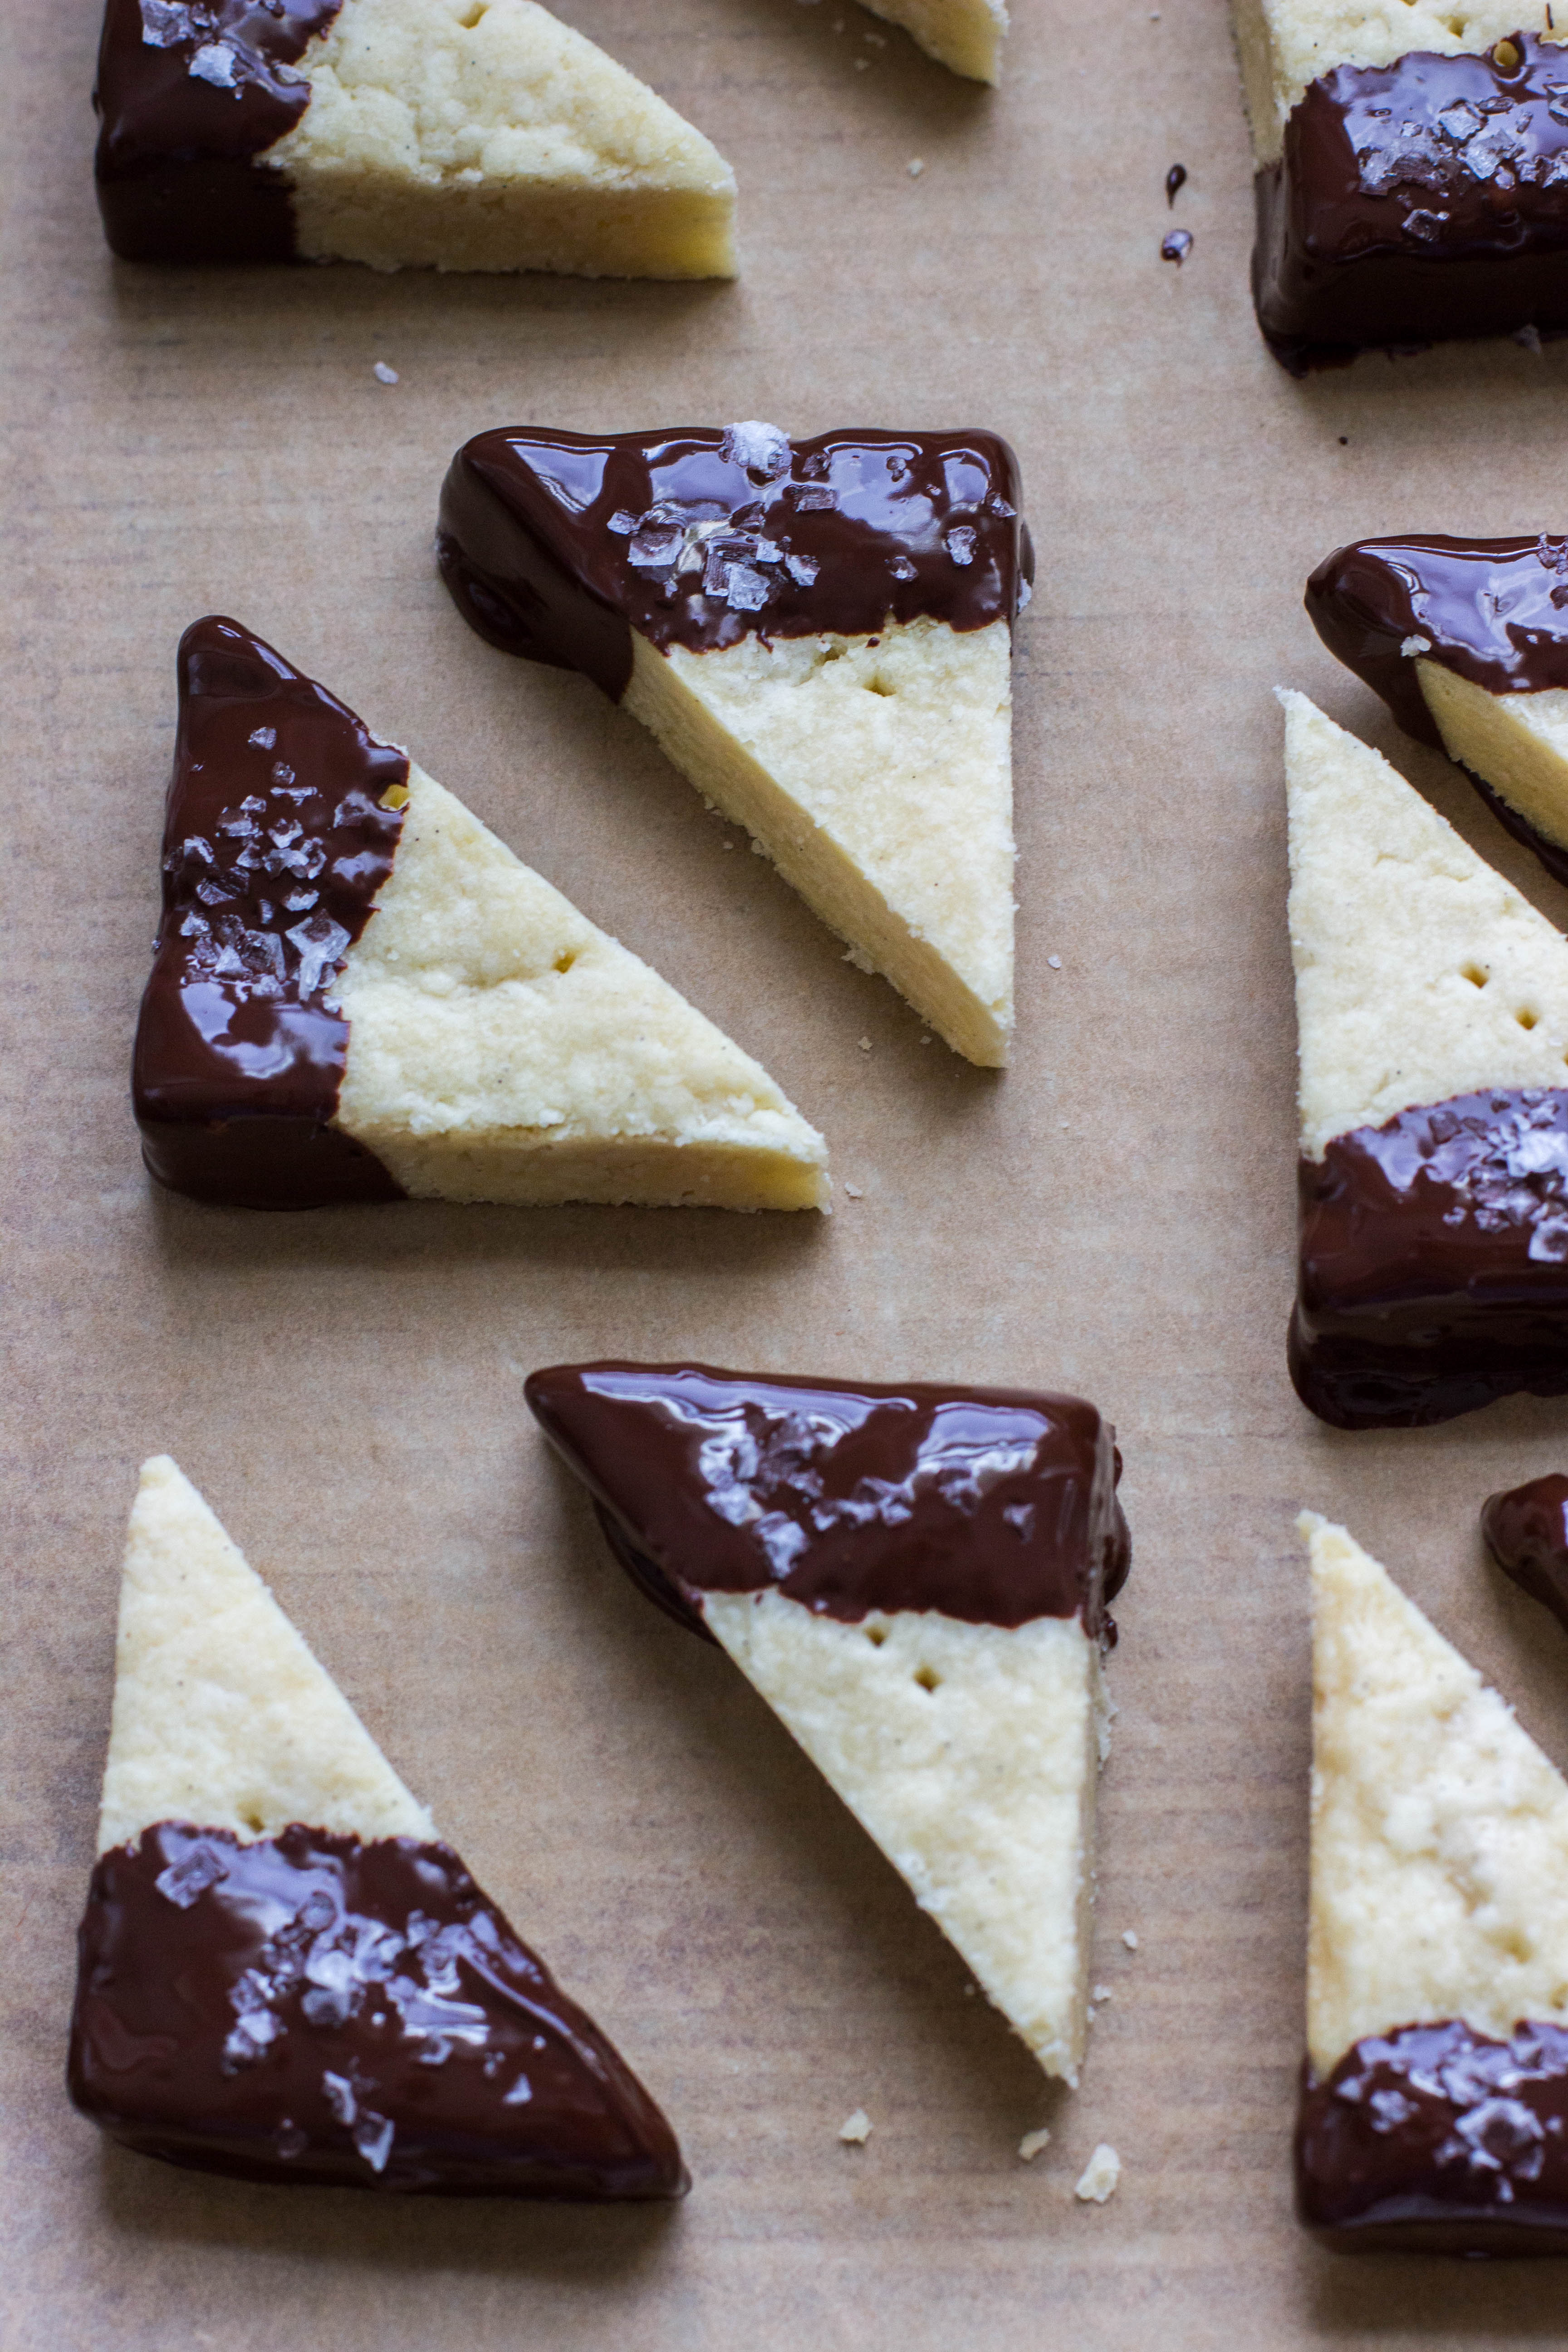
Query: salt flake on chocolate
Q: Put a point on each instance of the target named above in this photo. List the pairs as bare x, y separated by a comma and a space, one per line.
763, 449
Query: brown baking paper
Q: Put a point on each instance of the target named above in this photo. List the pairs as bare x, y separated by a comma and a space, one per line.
1113, 1215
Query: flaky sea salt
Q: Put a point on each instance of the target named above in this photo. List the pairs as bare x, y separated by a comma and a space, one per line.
761, 449
854, 1192
916, 166
1055, 962
960, 543
1130, 1938
214, 62
383, 374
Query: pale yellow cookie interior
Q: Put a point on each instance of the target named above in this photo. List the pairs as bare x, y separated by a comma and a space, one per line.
1439, 1864
502, 1047
965, 34
485, 135
1420, 973
222, 1715
877, 774
970, 1753
1518, 743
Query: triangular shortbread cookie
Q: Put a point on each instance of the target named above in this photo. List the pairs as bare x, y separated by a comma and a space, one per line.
915, 1580
1432, 1003
283, 1974
1467, 640
1437, 1951
360, 992
966, 34
436, 134
819, 634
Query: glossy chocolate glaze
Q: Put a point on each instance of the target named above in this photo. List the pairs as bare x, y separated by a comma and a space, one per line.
1495, 611
1415, 202
190, 93
557, 546
1433, 1272
277, 838
1438, 2140
1526, 1530
309, 2009
994, 1505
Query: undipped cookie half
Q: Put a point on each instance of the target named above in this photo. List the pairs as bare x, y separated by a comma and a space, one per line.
966, 34
819, 633
283, 1973
451, 134
1433, 2109
358, 993
915, 1579
1466, 641
1432, 1009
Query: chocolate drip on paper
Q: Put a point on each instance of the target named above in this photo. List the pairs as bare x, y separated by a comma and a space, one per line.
1433, 1270
277, 839
558, 546
994, 1505
1526, 1530
1416, 202
1438, 2140
1494, 611
190, 93
313, 2008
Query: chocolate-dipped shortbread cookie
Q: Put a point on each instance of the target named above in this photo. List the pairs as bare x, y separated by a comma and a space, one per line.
915, 1578
1432, 1003
283, 1973
819, 633
358, 993
966, 34
1434, 2108
1526, 1531
1412, 172
1466, 641
403, 133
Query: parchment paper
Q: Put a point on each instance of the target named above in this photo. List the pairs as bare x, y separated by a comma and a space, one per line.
1114, 1215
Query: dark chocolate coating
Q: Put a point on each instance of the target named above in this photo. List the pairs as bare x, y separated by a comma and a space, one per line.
1433, 1272
994, 1505
1416, 202
1526, 1530
557, 546
1495, 611
313, 2008
277, 842
1438, 2140
176, 166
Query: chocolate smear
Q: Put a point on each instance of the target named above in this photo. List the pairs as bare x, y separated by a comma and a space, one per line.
1526, 1529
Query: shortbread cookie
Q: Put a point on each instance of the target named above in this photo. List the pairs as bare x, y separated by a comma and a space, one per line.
966, 34
915, 1578
283, 1973
1526, 1529
1432, 1001
1411, 172
819, 633
358, 993
449, 134
1434, 2112
1467, 640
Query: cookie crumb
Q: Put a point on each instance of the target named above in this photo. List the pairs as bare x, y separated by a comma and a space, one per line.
916, 166
854, 1192
1130, 1938
1100, 2175
1102, 1992
855, 2131
925, 1041
860, 958
1414, 646
1031, 2144
865, 1044
384, 374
